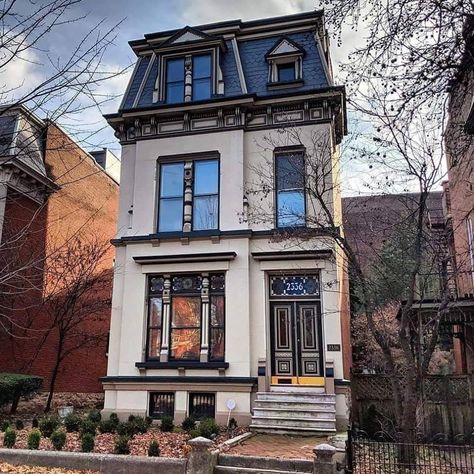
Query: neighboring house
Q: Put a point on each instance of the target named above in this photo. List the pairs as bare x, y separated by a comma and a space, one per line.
107, 160
50, 191
459, 190
209, 310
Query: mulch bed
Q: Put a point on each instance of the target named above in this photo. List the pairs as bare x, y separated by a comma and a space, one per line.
10, 469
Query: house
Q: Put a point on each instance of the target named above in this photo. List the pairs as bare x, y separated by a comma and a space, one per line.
51, 190
215, 314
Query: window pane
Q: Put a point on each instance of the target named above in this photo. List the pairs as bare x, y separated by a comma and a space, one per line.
201, 66
185, 343
217, 344
185, 311
217, 311
290, 171
172, 180
286, 72
154, 343
175, 92
201, 89
206, 179
175, 70
205, 212
171, 215
291, 208
155, 312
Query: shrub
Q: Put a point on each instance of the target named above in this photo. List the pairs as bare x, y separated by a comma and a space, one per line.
35, 423
122, 429
34, 439
167, 424
72, 422
4, 425
15, 386
87, 426
232, 423
47, 425
188, 424
121, 445
154, 449
107, 426
9, 438
194, 433
148, 421
114, 418
131, 418
208, 428
58, 438
87, 443
139, 425
19, 425
94, 416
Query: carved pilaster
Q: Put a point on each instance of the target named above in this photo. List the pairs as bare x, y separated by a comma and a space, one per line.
188, 78
165, 326
188, 196
205, 318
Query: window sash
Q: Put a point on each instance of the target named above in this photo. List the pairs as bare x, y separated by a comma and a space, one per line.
288, 70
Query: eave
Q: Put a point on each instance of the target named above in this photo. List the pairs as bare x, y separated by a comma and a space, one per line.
186, 258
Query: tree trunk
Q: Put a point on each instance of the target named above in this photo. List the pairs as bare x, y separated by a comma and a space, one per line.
54, 376
15, 402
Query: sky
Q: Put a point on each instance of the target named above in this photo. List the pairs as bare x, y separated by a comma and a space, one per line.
134, 19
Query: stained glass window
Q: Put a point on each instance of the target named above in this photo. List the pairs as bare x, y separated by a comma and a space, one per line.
154, 325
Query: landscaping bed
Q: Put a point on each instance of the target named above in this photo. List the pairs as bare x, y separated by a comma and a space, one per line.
10, 469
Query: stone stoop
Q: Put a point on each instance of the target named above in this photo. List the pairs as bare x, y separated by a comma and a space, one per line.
228, 464
303, 413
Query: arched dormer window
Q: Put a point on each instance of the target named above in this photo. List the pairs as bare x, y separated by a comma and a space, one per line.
285, 64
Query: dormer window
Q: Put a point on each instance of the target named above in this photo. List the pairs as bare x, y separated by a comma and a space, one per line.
202, 77
285, 64
175, 80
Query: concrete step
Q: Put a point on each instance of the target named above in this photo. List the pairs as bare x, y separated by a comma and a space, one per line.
250, 470
296, 397
314, 423
295, 405
290, 413
292, 430
296, 389
271, 464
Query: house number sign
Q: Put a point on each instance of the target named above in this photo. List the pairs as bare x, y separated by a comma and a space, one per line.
294, 285
334, 347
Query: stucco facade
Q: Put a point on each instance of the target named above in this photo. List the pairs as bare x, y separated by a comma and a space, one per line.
242, 253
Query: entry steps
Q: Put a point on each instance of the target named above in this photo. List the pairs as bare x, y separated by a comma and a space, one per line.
302, 413
228, 464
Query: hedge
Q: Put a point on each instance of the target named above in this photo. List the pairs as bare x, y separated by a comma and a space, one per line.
14, 386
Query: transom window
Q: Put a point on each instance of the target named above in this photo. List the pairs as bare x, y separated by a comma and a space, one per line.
290, 189
197, 304
203, 183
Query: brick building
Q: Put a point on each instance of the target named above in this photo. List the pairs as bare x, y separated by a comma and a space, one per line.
51, 191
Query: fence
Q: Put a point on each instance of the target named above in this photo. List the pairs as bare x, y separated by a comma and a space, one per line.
445, 414
365, 456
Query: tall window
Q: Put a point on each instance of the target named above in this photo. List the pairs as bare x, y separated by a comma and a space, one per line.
175, 80
202, 77
187, 320
290, 191
170, 211
205, 196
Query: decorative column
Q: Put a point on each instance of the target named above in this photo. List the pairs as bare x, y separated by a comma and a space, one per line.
188, 196
205, 318
165, 324
188, 79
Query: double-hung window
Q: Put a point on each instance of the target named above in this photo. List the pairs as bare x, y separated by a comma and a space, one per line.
290, 189
286, 72
202, 77
204, 191
175, 80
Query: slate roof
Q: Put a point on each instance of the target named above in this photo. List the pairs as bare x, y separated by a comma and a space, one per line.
254, 64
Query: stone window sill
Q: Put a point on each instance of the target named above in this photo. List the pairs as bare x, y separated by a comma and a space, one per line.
156, 364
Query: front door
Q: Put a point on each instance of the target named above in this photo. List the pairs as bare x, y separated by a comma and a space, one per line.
296, 343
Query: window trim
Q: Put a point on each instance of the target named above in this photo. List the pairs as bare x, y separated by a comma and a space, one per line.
284, 151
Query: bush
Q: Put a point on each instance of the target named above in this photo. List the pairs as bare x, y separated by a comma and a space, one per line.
167, 424
58, 438
9, 438
72, 422
35, 423
4, 425
131, 418
208, 428
139, 425
154, 449
232, 423
94, 416
114, 419
87, 426
87, 443
34, 439
148, 421
122, 429
188, 424
19, 425
48, 424
194, 433
121, 445
14, 386
107, 426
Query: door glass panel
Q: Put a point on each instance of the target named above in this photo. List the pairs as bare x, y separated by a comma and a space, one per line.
309, 329
283, 331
